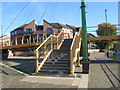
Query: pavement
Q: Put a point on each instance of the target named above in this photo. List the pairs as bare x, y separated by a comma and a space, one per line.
103, 74
12, 78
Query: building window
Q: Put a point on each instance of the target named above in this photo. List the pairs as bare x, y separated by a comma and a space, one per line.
71, 31
28, 31
13, 33
20, 32
49, 31
59, 30
13, 41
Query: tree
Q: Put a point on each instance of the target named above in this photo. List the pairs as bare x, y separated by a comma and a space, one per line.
106, 29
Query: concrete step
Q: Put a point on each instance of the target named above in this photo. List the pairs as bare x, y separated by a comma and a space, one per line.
54, 71
57, 65
56, 68
58, 62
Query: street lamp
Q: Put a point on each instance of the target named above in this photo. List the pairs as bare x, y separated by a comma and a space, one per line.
1, 33
106, 21
85, 60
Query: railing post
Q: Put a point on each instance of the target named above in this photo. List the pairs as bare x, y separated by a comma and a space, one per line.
51, 43
78, 58
37, 56
44, 50
71, 63
57, 43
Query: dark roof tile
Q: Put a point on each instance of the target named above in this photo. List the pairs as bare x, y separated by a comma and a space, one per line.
55, 25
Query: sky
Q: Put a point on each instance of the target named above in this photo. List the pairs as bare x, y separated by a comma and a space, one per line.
56, 12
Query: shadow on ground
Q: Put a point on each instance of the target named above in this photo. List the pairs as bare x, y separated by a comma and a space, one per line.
102, 61
24, 65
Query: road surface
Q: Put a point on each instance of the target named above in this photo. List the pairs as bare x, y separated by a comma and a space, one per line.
103, 72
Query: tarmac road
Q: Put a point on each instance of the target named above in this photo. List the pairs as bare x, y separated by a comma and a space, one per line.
103, 72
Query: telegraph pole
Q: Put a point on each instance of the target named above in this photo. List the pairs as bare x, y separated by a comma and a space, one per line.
85, 60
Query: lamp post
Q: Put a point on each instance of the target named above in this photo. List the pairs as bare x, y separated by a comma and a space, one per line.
85, 60
106, 21
1, 33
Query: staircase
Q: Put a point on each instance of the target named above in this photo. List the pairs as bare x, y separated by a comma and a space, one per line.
59, 61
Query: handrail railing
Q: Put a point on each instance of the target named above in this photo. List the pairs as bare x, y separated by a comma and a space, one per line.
43, 52
75, 51
58, 40
45, 49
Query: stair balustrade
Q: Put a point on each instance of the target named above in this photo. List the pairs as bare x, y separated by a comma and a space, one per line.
45, 49
75, 51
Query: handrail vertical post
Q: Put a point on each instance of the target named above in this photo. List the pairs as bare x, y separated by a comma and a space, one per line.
57, 43
71, 63
37, 56
44, 50
51, 43
78, 57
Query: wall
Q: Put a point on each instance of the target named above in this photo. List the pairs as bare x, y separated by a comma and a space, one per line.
5, 41
31, 25
68, 33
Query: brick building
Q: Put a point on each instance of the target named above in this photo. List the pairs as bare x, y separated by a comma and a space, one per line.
55, 28
27, 33
32, 32
4, 40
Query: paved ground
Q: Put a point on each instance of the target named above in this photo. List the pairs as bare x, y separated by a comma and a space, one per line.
35, 82
13, 79
103, 72
26, 65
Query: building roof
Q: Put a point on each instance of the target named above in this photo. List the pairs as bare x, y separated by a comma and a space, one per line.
64, 26
72, 27
58, 25
55, 25
4, 36
90, 35
22, 26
